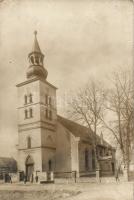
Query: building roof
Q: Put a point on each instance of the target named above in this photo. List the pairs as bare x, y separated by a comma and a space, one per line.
80, 131
75, 128
9, 164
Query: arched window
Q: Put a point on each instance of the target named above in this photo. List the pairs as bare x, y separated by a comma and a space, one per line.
50, 165
50, 114
26, 114
28, 142
25, 99
93, 160
30, 98
46, 99
31, 112
86, 159
32, 60
46, 113
37, 60
49, 100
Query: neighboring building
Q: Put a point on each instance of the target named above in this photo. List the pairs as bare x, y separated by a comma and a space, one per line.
7, 165
48, 142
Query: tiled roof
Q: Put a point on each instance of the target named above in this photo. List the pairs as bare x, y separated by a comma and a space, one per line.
8, 163
80, 131
75, 128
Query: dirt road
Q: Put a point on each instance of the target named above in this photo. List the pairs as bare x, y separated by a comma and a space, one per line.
79, 191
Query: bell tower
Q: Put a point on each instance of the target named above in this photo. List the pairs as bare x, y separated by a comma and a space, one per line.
37, 115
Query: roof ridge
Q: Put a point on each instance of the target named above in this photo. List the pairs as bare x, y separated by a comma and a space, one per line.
72, 122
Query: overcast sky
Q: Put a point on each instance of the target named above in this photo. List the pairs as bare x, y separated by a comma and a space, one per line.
80, 39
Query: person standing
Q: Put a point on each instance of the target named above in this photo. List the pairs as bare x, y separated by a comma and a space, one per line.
32, 178
117, 175
10, 179
25, 179
36, 179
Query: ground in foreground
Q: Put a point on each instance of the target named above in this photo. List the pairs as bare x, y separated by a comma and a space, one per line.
79, 191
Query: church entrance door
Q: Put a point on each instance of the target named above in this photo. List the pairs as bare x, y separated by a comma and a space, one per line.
29, 171
29, 168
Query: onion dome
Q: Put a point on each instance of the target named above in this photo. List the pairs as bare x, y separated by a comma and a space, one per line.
36, 57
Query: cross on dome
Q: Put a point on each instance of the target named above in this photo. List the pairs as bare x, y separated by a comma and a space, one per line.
35, 33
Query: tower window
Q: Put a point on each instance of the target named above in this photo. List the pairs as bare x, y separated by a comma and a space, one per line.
32, 59
25, 99
49, 100
50, 115
46, 99
31, 112
30, 98
47, 113
28, 142
26, 114
37, 60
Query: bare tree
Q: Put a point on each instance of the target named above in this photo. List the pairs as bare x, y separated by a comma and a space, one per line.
120, 106
87, 106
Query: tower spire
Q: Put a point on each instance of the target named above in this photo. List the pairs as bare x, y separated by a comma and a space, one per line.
36, 58
36, 47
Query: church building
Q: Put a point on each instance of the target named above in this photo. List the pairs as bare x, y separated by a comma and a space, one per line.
47, 141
